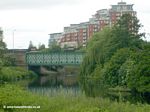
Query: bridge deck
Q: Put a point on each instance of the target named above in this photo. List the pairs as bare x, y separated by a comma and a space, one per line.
61, 58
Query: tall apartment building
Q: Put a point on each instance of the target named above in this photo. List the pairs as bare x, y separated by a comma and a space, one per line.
70, 36
82, 33
103, 17
118, 10
78, 34
93, 26
54, 38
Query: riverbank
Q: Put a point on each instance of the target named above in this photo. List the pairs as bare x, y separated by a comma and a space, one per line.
14, 74
14, 95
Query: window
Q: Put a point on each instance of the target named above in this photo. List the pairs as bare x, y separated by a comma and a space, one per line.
95, 30
84, 34
84, 30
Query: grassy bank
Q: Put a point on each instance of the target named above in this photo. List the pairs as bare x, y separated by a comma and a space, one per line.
11, 74
13, 95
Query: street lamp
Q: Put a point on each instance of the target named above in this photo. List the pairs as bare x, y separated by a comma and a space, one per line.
13, 35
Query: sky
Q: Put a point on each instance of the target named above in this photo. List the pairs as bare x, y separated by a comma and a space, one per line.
33, 20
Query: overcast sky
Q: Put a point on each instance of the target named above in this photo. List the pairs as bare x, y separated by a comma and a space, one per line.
33, 20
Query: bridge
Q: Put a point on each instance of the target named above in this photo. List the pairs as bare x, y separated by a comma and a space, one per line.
55, 58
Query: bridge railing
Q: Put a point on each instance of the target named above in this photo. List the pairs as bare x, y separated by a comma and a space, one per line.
55, 58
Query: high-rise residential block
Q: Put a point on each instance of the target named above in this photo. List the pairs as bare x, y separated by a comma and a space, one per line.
118, 10
54, 39
78, 34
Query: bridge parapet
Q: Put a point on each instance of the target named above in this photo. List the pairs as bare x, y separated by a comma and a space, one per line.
55, 58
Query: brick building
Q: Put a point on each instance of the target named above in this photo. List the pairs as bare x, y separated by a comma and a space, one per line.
54, 38
118, 10
78, 34
93, 26
70, 36
103, 18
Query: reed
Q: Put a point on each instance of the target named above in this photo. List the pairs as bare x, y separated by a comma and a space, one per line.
62, 101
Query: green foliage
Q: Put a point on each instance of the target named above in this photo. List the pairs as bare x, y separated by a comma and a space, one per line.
5, 59
111, 69
2, 48
117, 57
136, 70
13, 95
126, 32
96, 52
2, 52
30, 45
41, 47
139, 72
9, 74
54, 47
8, 60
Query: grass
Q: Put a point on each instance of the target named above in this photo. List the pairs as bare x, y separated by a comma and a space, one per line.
11, 74
13, 95
57, 91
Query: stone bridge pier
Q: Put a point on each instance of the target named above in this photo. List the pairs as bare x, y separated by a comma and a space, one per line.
44, 70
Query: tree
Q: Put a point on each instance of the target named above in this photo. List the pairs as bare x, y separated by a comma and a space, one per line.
139, 73
2, 52
112, 67
107, 52
41, 47
5, 59
31, 46
2, 48
126, 32
96, 53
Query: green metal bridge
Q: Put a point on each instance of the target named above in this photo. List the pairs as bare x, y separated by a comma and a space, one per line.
58, 58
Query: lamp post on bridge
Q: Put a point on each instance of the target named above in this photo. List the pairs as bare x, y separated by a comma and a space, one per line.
13, 36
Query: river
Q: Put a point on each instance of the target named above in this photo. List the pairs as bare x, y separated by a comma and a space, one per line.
66, 83
63, 82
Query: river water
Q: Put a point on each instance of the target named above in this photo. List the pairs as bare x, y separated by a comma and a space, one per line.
66, 83
63, 82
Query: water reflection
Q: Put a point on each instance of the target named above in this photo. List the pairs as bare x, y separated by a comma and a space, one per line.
56, 91
66, 84
54, 81
63, 82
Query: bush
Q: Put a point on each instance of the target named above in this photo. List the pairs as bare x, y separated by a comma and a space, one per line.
12, 95
8, 74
